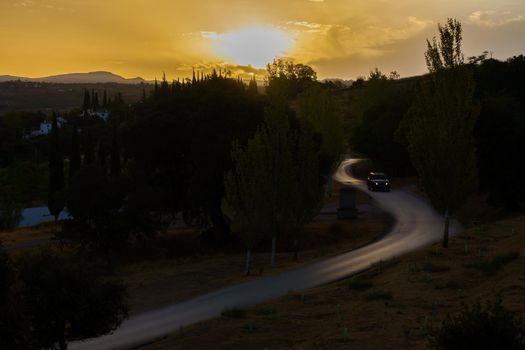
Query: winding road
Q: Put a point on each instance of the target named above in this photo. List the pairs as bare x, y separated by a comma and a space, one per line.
417, 225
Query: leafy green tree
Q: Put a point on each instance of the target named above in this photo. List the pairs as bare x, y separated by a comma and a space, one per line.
286, 75
258, 186
306, 193
56, 173
68, 299
440, 127
376, 110
318, 110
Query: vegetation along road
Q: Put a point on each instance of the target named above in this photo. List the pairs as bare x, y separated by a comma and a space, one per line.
417, 225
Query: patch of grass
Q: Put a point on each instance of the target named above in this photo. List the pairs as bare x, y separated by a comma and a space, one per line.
234, 313
378, 295
357, 283
432, 267
492, 266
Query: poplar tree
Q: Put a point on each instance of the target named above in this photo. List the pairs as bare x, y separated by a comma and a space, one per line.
258, 187
56, 173
440, 125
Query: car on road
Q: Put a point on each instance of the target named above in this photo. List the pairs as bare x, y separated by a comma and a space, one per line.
378, 181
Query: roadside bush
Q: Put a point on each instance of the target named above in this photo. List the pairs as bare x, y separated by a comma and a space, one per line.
479, 327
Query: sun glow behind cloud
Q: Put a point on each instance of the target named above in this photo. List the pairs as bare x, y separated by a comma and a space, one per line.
338, 38
255, 46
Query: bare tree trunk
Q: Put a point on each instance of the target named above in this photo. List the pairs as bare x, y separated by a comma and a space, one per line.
274, 239
248, 261
445, 234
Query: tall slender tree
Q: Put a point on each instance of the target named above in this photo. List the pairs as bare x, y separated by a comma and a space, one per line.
441, 123
56, 198
115, 168
89, 149
74, 157
87, 101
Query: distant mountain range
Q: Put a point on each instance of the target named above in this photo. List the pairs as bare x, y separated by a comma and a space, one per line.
78, 78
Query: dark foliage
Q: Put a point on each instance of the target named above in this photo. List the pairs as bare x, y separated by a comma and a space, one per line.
56, 193
488, 327
14, 330
67, 299
180, 140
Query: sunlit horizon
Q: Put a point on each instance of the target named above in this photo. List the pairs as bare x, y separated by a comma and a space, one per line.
339, 39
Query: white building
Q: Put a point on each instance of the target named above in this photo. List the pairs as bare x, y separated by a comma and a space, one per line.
45, 128
104, 115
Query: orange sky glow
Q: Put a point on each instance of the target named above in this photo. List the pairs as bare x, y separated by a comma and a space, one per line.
339, 38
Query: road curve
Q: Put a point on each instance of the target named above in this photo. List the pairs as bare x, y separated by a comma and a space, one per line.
417, 225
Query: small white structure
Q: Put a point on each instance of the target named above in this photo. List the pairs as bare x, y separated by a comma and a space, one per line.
45, 128
104, 115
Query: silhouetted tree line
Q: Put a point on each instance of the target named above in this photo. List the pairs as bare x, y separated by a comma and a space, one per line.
379, 105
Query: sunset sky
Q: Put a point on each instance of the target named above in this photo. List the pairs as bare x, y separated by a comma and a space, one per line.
339, 38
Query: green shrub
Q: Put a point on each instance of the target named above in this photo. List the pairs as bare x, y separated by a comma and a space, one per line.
480, 327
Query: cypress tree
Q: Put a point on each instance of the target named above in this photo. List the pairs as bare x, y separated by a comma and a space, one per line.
74, 157
87, 100
115, 155
56, 173
105, 100
95, 101
252, 86
92, 99
89, 150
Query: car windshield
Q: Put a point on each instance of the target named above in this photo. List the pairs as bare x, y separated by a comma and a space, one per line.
378, 177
